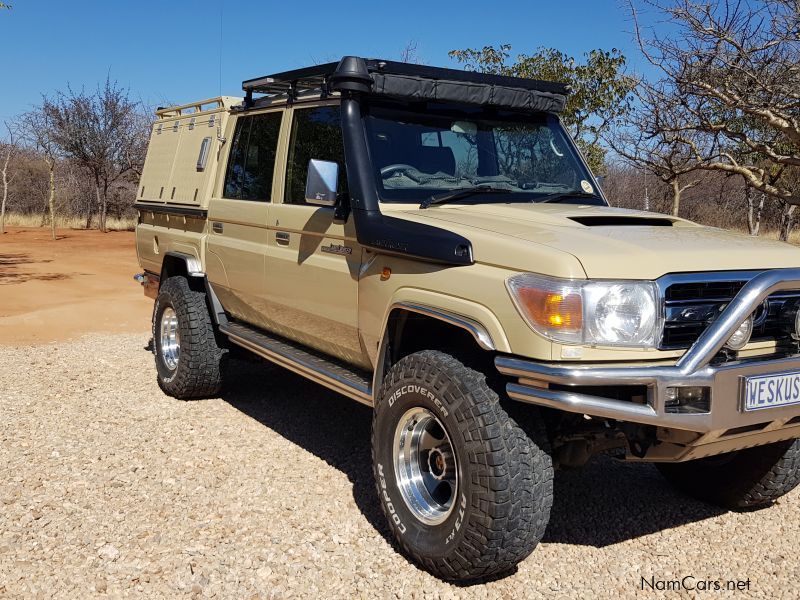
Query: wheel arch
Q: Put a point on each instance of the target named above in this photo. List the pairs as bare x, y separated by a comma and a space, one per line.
411, 326
181, 264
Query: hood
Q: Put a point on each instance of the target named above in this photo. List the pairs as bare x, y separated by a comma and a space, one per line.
607, 242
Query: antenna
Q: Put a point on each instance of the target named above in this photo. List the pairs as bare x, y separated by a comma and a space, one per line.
221, 8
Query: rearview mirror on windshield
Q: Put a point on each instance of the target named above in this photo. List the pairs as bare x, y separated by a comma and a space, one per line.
321, 182
464, 127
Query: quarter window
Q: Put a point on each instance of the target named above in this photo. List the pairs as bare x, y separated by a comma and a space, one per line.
252, 158
316, 133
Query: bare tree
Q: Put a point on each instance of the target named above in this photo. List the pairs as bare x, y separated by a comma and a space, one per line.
644, 138
101, 132
10, 148
733, 68
38, 130
410, 53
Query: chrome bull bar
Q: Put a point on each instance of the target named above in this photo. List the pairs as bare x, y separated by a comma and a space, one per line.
694, 368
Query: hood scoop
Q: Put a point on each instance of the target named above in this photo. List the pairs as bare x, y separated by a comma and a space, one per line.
621, 221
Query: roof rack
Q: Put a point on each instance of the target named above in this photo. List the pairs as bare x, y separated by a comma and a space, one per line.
200, 106
291, 82
318, 77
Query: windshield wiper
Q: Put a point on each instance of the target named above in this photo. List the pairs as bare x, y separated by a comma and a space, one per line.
557, 197
463, 193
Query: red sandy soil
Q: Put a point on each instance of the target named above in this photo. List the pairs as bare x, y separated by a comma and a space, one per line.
80, 283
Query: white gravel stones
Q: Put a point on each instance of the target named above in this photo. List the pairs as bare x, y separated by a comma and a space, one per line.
109, 488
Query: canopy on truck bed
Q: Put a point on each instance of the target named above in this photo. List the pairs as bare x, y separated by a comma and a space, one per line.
181, 156
413, 82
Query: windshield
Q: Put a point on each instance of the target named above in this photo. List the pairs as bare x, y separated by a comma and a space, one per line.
417, 155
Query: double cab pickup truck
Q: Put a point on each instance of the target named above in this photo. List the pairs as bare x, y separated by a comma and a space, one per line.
430, 242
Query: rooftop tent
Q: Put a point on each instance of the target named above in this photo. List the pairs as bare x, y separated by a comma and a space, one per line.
414, 82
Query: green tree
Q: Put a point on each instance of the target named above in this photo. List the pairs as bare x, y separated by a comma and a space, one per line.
599, 87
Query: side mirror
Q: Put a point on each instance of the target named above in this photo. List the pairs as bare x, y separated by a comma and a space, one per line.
321, 182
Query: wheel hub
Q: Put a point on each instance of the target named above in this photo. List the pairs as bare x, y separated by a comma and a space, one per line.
170, 339
440, 462
425, 466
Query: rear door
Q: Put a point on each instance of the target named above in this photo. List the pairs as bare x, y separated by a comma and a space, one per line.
238, 216
312, 262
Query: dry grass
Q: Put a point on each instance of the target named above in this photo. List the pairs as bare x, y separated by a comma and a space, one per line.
766, 234
64, 222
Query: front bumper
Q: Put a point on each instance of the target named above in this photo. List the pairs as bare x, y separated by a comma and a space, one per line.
726, 415
724, 381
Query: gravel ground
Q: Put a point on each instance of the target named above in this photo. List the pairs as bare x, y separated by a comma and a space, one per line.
107, 486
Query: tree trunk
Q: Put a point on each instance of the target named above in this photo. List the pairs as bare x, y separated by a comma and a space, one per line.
88, 213
51, 201
3, 205
754, 211
676, 197
5, 194
104, 209
99, 203
787, 221
6, 180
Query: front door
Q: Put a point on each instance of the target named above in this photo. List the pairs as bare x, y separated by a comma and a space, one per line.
313, 263
238, 216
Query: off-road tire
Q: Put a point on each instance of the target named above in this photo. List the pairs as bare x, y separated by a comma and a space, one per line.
744, 479
505, 485
198, 373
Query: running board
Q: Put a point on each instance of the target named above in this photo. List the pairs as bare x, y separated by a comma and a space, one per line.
312, 366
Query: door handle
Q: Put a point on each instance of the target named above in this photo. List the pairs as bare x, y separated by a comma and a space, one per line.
217, 227
282, 238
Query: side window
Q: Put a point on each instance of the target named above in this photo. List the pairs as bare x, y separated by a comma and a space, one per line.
316, 133
233, 176
252, 158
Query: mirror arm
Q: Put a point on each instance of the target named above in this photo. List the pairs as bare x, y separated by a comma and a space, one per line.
341, 210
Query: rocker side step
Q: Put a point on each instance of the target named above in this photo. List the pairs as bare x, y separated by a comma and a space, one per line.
336, 376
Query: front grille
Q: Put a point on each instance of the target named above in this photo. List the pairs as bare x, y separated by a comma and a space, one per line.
690, 306
716, 290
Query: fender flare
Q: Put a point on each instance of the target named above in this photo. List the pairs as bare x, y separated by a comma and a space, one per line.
193, 266
489, 338
194, 271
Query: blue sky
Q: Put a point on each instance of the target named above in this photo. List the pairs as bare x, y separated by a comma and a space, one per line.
170, 51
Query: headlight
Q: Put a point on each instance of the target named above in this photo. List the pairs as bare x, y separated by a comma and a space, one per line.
605, 313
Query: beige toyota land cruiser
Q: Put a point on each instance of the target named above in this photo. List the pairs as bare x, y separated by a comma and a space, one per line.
431, 243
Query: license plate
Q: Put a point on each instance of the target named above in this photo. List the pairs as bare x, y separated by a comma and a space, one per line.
769, 391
